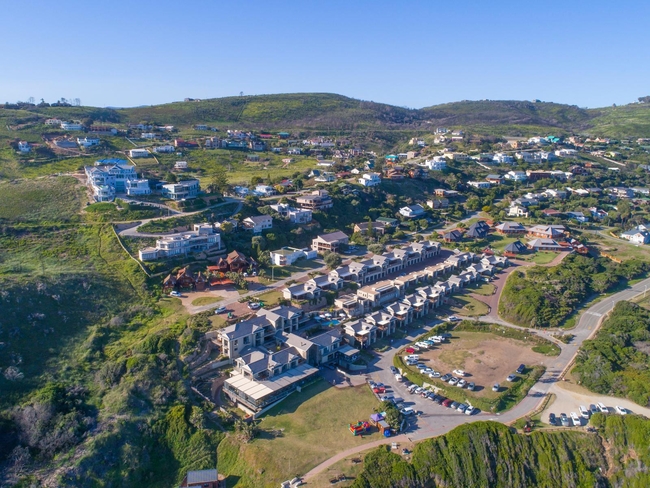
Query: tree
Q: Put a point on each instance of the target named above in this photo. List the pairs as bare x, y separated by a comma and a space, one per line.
332, 260
376, 248
644, 99
226, 227
218, 181
424, 223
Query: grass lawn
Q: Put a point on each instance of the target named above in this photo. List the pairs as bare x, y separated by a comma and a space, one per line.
218, 321
300, 266
486, 289
543, 257
44, 200
313, 426
499, 242
197, 302
468, 306
270, 298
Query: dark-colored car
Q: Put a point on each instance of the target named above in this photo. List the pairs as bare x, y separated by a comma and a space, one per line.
393, 370
521, 369
454, 405
593, 409
446, 377
551, 419
440, 399
564, 420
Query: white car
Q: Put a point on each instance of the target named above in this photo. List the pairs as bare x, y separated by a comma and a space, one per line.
452, 318
469, 410
620, 410
584, 412
175, 294
461, 383
602, 408
576, 420
459, 372
434, 374
399, 377
453, 380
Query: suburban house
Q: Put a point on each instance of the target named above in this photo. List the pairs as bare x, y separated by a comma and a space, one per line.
516, 176
510, 228
637, 235
515, 210
329, 242
164, 149
295, 215
108, 177
76, 125
180, 165
482, 185
546, 231
139, 153
438, 163
264, 190
437, 203
579, 216
316, 200
452, 236
138, 187
543, 244
24, 147
182, 190
412, 211
360, 333
495, 179
378, 228
514, 248
286, 256
235, 262
202, 238
258, 223
478, 230
370, 179
382, 292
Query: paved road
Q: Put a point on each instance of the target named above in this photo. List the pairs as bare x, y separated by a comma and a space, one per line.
133, 231
437, 420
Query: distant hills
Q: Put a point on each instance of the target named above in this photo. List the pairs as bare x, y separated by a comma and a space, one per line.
324, 111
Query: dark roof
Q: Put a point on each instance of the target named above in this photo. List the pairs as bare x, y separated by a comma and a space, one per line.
334, 236
454, 235
515, 247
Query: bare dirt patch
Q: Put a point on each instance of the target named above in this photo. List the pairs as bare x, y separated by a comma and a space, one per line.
486, 358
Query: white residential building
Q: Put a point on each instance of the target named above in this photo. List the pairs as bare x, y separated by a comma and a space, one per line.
502, 158
180, 165
295, 215
72, 125
202, 238
139, 153
24, 147
108, 177
258, 223
138, 187
88, 141
264, 190
289, 255
370, 179
412, 211
182, 190
483, 185
438, 163
148, 135
164, 149
516, 176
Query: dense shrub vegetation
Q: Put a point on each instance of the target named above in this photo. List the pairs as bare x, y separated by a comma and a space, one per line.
545, 297
616, 361
490, 454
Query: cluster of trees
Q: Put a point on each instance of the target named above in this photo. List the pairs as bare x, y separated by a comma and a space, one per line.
617, 361
545, 297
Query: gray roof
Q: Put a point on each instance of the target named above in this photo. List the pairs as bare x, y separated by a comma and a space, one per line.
203, 476
246, 327
333, 237
328, 338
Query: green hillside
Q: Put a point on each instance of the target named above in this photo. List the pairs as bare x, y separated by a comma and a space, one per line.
298, 110
622, 121
486, 454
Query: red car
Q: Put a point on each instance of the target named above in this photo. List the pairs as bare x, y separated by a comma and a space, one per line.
410, 350
379, 390
447, 403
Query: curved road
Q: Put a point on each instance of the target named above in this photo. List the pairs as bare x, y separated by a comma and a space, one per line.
133, 231
435, 424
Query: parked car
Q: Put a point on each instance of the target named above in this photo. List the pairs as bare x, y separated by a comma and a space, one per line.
454, 405
461, 383
496, 387
412, 388
564, 420
427, 370
584, 412
521, 369
471, 386
602, 408
393, 370
452, 318
387, 397
412, 357
379, 390
220, 310
445, 377
453, 380
254, 305
593, 409
447, 403
434, 374
399, 377
470, 410
511, 377
461, 408
576, 419
409, 350
551, 418
459, 372
440, 399
421, 366
621, 410
419, 390
175, 294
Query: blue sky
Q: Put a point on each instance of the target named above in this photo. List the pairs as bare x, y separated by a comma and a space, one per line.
407, 53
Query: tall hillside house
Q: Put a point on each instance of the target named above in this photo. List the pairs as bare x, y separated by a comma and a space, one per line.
381, 293
329, 242
109, 176
412, 211
258, 223
202, 238
370, 179
72, 126
316, 200
295, 215
183, 190
138, 187
139, 153
286, 256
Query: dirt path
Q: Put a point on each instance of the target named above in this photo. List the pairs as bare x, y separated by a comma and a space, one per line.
342, 455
